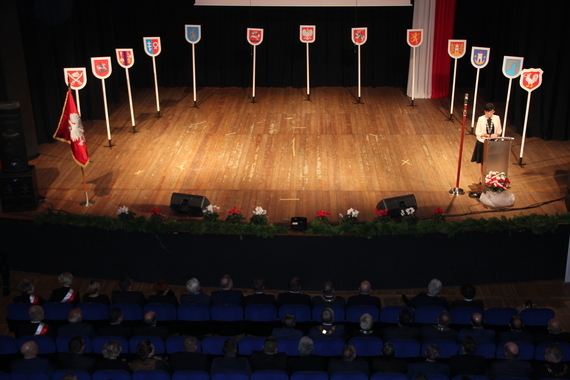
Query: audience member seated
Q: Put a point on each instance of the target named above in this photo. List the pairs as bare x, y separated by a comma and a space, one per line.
364, 296
288, 331
468, 363
227, 295
516, 332
427, 299
69, 376
430, 366
126, 294
28, 295
294, 296
403, 330
93, 296
65, 294
149, 327
269, 358
477, 331
552, 368
163, 294
306, 361
328, 297
366, 328
75, 359
30, 361
259, 296
511, 365
111, 361
145, 358
195, 294
76, 326
554, 333
115, 326
36, 326
327, 329
230, 362
468, 292
388, 362
348, 362
439, 331
189, 359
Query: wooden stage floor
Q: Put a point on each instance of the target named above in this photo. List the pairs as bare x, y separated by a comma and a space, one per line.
290, 156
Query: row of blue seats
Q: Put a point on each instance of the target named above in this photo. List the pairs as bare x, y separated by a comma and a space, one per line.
236, 375
212, 345
498, 316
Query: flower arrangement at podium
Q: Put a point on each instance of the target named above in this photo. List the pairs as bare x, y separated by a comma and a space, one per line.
497, 181
211, 214
259, 217
234, 216
350, 217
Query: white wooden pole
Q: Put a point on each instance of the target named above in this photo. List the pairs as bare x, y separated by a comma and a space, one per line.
453, 90
308, 82
253, 82
413, 75
156, 87
130, 97
77, 103
194, 72
359, 73
524, 128
474, 100
507, 107
106, 112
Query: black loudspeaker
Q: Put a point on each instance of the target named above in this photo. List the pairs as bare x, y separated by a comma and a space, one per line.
298, 223
397, 204
192, 205
19, 191
13, 154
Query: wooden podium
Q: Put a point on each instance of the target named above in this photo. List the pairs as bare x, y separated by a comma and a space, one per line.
496, 154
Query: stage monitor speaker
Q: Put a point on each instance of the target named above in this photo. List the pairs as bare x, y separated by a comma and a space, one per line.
397, 204
19, 191
192, 205
13, 154
298, 223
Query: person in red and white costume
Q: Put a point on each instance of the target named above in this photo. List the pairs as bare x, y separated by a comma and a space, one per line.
28, 290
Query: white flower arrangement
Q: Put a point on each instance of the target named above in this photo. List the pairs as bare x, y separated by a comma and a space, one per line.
123, 210
125, 214
409, 211
210, 209
259, 211
259, 217
351, 216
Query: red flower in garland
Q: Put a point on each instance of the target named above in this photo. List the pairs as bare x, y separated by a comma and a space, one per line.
438, 211
155, 211
323, 214
381, 212
234, 210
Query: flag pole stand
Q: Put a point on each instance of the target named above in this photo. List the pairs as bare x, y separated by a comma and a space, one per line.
111, 145
308, 98
134, 131
195, 105
87, 202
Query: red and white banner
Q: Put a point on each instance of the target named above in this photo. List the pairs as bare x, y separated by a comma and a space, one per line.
308, 33
152, 46
415, 37
254, 36
70, 130
125, 57
75, 77
359, 35
101, 67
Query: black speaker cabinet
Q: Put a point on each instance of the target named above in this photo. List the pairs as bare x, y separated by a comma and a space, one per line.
298, 223
13, 154
192, 205
397, 204
19, 191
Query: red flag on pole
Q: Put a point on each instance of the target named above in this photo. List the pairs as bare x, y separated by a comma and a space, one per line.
70, 130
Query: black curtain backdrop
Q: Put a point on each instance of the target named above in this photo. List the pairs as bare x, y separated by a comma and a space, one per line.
67, 33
